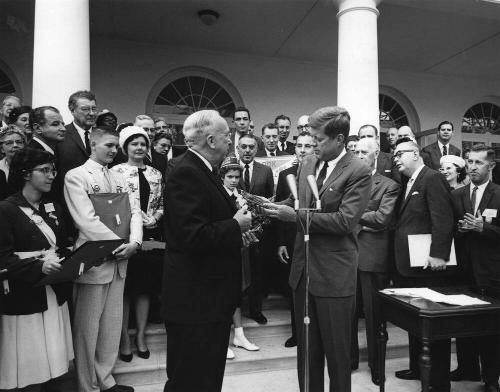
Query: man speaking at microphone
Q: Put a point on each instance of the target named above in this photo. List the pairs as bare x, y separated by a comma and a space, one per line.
344, 184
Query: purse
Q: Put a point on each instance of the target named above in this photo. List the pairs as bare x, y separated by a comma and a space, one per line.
113, 209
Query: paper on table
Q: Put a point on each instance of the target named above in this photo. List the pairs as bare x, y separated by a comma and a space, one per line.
419, 246
464, 300
434, 296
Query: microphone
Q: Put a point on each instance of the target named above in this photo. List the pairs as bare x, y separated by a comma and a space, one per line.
292, 184
314, 189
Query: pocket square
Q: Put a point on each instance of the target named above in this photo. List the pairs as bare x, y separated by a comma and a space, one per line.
387, 170
331, 189
414, 193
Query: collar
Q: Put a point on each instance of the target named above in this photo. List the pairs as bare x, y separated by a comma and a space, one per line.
268, 153
80, 130
250, 165
333, 162
441, 146
203, 159
480, 188
230, 192
374, 171
416, 173
91, 164
44, 145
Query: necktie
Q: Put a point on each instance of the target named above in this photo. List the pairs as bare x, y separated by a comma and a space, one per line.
282, 146
246, 177
107, 180
322, 175
473, 200
273, 154
87, 142
408, 187
445, 151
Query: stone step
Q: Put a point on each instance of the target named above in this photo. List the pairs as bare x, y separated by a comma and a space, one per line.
271, 357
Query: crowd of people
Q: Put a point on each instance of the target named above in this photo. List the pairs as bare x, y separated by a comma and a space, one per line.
229, 231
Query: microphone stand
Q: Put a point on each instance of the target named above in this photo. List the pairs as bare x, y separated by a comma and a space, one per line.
309, 214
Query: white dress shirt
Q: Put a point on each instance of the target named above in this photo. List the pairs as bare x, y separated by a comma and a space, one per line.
331, 165
45, 146
479, 194
441, 148
412, 179
5, 167
81, 133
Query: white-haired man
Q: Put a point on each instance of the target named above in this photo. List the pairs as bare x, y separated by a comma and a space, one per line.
202, 271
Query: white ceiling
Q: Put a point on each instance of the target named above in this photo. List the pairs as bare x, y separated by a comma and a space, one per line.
458, 37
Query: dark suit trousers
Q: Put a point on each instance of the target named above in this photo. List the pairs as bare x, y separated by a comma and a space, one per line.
256, 289
196, 356
329, 335
371, 283
440, 349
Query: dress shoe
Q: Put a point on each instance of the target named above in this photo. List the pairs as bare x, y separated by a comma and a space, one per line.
119, 388
408, 374
142, 354
491, 387
259, 318
375, 378
354, 366
125, 357
461, 375
291, 342
243, 342
230, 354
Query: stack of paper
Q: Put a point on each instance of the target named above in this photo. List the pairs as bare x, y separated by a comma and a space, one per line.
434, 296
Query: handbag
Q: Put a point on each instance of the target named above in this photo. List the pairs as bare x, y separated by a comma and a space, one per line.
113, 209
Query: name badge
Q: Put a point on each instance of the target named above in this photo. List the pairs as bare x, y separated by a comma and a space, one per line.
49, 207
490, 213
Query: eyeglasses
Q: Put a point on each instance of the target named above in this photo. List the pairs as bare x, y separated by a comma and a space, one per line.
302, 127
400, 153
241, 119
12, 142
284, 127
89, 109
46, 170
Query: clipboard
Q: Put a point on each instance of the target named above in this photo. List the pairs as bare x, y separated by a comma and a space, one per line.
87, 255
419, 246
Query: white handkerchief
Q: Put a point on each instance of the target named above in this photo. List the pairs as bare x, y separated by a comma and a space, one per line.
414, 193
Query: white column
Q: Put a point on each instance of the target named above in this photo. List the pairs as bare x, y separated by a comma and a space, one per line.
357, 79
61, 56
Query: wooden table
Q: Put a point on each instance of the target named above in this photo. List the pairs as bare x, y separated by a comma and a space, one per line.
430, 321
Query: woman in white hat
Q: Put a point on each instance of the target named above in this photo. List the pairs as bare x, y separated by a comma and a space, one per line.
453, 169
144, 268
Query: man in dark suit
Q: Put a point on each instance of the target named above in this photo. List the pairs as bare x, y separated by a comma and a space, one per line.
433, 152
283, 124
241, 122
256, 179
425, 208
202, 270
384, 164
270, 139
478, 246
374, 240
48, 128
286, 231
344, 188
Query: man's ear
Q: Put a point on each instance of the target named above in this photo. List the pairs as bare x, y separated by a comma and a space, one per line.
211, 141
492, 165
341, 138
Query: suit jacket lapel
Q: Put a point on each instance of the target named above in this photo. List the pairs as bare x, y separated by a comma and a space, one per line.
466, 204
308, 169
345, 161
255, 174
73, 133
416, 183
375, 181
488, 193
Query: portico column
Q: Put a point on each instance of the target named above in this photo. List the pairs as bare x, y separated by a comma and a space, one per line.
357, 79
61, 56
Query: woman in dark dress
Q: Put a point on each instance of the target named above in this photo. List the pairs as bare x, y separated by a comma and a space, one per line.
144, 268
35, 334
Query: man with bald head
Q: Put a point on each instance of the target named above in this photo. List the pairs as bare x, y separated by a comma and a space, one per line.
424, 208
204, 233
405, 131
374, 239
303, 124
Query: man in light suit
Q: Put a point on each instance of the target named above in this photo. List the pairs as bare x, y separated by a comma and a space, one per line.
374, 240
433, 152
284, 124
424, 208
478, 246
256, 179
202, 268
98, 302
344, 184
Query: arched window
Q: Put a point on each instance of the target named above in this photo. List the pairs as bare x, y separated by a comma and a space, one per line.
481, 125
189, 94
392, 113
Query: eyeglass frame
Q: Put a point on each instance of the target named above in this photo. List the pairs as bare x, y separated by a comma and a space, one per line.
400, 153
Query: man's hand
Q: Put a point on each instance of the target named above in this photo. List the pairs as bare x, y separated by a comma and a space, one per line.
244, 218
283, 254
125, 251
435, 263
473, 223
280, 211
50, 266
249, 238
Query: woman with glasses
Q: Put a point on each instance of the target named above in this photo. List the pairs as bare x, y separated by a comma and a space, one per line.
35, 335
144, 269
12, 139
453, 169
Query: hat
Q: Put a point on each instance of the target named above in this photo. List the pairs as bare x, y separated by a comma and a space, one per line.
457, 161
132, 130
230, 162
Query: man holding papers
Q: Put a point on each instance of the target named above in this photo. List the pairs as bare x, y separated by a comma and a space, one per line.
478, 250
424, 208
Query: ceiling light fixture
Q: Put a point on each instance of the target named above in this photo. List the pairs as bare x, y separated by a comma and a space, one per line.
208, 17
